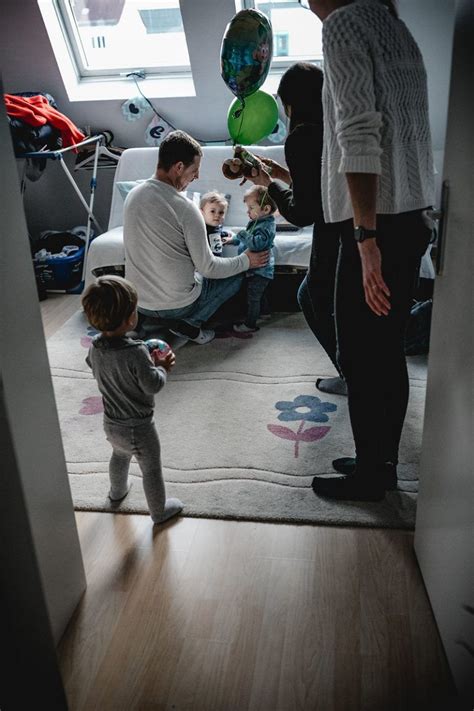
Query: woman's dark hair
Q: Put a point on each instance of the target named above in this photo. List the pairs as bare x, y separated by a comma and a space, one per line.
391, 7
175, 147
389, 4
300, 87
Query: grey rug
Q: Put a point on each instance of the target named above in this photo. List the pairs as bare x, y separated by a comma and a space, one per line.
242, 426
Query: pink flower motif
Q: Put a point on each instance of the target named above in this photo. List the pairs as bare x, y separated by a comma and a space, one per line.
92, 405
87, 340
312, 434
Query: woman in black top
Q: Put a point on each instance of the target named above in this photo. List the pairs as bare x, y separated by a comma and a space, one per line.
300, 203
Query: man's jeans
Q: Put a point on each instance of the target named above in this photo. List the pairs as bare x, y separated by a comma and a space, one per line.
213, 294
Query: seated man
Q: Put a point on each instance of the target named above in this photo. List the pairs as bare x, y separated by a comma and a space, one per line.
166, 244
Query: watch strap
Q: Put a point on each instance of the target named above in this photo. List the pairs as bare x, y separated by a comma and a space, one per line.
363, 233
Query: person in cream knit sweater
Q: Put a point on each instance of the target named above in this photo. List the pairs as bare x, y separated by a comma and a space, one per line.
377, 180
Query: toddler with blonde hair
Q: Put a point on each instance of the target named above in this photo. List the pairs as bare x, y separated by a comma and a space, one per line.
214, 206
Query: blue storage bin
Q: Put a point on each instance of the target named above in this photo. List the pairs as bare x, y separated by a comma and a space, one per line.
55, 272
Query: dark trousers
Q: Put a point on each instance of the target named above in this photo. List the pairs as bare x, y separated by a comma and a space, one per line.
316, 292
256, 286
371, 348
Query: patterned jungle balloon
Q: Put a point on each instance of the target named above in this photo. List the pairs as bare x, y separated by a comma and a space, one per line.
156, 344
246, 52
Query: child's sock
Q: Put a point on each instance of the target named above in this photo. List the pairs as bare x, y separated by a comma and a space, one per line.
172, 507
334, 386
117, 496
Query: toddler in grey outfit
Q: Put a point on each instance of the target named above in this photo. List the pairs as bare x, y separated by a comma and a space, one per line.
128, 378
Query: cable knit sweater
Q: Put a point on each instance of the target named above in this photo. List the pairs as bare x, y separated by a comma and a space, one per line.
375, 111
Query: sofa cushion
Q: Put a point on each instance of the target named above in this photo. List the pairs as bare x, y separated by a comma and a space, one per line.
124, 186
137, 164
140, 163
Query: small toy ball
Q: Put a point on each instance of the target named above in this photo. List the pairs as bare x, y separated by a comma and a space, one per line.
156, 344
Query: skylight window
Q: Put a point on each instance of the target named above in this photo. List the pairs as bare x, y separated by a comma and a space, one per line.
297, 33
114, 37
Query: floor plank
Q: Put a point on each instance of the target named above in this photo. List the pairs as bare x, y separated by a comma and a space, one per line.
213, 615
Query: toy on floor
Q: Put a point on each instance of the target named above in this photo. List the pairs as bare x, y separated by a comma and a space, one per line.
242, 165
156, 344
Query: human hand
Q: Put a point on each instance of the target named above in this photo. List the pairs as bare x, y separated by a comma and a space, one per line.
375, 289
226, 237
257, 259
167, 362
261, 177
276, 170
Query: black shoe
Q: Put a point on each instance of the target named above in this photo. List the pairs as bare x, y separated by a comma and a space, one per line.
332, 386
350, 488
344, 465
347, 465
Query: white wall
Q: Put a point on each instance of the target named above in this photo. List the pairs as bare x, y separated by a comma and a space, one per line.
431, 23
28, 64
445, 513
31, 409
41, 571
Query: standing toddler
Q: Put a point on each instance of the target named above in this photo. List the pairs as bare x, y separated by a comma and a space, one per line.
128, 378
258, 236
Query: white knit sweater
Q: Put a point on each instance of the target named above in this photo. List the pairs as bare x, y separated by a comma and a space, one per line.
375, 105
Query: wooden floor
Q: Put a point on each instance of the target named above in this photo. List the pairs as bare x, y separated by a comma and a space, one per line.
206, 615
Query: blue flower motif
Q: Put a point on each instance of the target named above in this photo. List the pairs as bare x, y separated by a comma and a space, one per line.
317, 409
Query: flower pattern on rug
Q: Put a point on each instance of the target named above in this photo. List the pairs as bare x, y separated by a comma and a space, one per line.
87, 340
92, 405
305, 408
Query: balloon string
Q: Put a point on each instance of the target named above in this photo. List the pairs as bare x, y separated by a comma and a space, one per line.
237, 114
252, 227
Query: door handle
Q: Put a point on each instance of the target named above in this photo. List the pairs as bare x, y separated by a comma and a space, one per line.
440, 216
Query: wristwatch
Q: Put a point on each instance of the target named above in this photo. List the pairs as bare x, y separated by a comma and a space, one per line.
362, 233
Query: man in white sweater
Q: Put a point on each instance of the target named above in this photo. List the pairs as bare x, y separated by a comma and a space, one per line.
377, 180
166, 244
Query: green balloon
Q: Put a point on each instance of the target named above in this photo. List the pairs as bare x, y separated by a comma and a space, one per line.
253, 119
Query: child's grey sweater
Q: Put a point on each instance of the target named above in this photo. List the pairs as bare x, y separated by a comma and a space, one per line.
126, 377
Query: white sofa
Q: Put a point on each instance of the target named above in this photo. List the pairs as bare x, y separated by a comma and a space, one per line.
291, 249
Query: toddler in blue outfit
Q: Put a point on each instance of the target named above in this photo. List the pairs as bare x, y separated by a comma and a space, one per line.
258, 236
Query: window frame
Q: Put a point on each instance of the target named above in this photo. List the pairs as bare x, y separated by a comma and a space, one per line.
73, 42
280, 64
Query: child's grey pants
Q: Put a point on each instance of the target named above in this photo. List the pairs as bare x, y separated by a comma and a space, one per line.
142, 443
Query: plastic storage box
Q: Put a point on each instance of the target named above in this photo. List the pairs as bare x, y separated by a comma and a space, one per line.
58, 259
